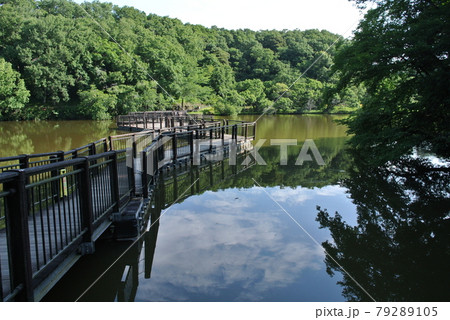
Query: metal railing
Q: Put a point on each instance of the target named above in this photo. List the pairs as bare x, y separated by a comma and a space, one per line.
154, 121
52, 204
47, 218
170, 147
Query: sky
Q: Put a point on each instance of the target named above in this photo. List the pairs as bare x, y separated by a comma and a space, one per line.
337, 16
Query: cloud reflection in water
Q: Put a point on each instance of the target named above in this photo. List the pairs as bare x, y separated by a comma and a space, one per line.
235, 245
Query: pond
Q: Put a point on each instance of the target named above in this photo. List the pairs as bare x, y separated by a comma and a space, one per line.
265, 231
32, 137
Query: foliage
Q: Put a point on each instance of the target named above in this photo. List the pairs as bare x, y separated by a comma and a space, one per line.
147, 62
13, 93
96, 105
400, 54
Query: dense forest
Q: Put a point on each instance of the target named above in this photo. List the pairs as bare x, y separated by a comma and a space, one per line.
62, 60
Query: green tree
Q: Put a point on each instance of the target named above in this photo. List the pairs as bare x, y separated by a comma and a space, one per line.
400, 53
253, 93
306, 94
60, 51
96, 105
13, 93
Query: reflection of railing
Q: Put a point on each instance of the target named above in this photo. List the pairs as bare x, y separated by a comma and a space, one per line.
54, 205
175, 185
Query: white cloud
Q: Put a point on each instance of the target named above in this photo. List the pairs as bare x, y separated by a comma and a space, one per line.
203, 252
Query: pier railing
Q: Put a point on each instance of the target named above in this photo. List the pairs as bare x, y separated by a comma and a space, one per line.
155, 121
51, 212
53, 206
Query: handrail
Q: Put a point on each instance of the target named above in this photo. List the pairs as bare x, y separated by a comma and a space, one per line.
84, 191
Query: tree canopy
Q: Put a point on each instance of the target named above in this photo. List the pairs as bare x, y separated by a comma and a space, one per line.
120, 59
400, 53
13, 94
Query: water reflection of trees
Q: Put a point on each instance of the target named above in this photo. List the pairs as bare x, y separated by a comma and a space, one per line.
307, 175
400, 248
30, 137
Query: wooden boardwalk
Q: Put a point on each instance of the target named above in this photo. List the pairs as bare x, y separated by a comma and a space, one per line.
55, 224
69, 201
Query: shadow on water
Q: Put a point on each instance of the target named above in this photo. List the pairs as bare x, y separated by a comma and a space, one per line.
399, 250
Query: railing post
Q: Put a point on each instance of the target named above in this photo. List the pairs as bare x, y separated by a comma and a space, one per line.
144, 178
245, 131
92, 149
223, 136
19, 237
210, 140
132, 168
54, 173
114, 175
134, 145
191, 145
174, 148
87, 216
155, 165
24, 161
111, 146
